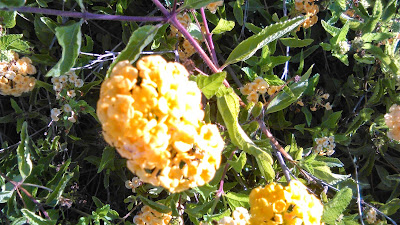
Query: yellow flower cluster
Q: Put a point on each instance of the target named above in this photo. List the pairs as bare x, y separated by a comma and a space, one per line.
239, 217
257, 87
308, 8
152, 115
149, 216
213, 6
392, 120
325, 145
14, 79
292, 204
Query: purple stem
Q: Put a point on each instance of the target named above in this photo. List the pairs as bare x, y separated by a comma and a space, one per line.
171, 18
220, 191
209, 37
85, 15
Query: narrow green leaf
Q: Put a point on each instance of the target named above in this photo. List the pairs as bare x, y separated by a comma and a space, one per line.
248, 47
197, 4
363, 116
23, 154
107, 159
80, 3
295, 42
223, 26
35, 219
157, 206
209, 85
70, 39
283, 99
50, 23
332, 120
228, 106
297, 58
369, 37
139, 39
391, 207
238, 12
54, 196
334, 208
15, 106
5, 195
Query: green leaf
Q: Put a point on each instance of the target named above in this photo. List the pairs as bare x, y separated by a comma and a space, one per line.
330, 29
139, 39
8, 18
369, 37
238, 12
157, 206
80, 3
248, 47
50, 23
223, 26
11, 3
228, 106
107, 159
391, 207
23, 153
35, 219
283, 99
363, 116
15, 106
70, 39
239, 163
7, 40
334, 208
209, 85
54, 196
306, 53
332, 120
5, 195
197, 4
237, 200
295, 42
46, 86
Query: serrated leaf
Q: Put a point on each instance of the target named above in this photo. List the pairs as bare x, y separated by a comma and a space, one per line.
11, 3
334, 208
248, 47
197, 4
23, 153
223, 26
7, 40
107, 159
295, 42
70, 39
139, 39
35, 219
209, 85
239, 163
391, 207
157, 206
330, 29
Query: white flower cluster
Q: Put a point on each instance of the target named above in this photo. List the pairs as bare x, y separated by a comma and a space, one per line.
240, 216
371, 216
325, 145
66, 88
344, 47
133, 184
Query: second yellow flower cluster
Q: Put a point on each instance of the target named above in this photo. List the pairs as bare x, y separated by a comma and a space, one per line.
152, 115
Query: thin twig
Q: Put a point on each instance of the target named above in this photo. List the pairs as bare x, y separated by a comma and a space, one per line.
358, 189
84, 15
285, 169
220, 191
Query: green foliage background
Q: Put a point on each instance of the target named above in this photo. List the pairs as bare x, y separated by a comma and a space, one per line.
67, 174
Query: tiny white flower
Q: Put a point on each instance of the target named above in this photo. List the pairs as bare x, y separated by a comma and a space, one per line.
330, 152
72, 78
71, 93
63, 78
325, 144
55, 111
57, 86
54, 118
72, 118
55, 80
67, 108
78, 83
